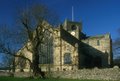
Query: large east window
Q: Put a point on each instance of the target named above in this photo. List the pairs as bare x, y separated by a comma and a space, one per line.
67, 58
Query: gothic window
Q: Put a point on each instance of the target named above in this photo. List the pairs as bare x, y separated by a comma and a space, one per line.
67, 58
98, 42
47, 56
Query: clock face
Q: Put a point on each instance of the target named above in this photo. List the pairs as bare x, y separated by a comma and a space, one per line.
73, 33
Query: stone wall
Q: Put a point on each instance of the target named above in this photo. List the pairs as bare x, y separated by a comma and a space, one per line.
97, 74
22, 74
6, 73
100, 50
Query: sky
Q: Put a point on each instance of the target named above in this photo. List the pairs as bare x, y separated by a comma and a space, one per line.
97, 16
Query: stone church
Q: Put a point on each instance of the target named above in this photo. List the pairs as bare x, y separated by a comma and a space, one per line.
68, 48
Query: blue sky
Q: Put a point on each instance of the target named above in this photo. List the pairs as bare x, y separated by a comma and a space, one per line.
97, 16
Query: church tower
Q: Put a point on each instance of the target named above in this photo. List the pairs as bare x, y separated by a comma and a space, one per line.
69, 42
74, 28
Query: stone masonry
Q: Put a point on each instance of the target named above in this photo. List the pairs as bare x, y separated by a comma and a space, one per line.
71, 49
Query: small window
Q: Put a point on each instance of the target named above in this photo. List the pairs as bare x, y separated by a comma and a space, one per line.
73, 27
57, 69
98, 42
67, 58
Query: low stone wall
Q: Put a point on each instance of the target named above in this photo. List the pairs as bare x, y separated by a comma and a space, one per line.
97, 74
22, 74
5, 73
16, 74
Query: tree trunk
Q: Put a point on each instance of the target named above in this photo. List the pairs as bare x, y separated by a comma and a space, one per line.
13, 65
36, 69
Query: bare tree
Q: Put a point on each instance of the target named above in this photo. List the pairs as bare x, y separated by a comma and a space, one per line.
7, 49
33, 31
116, 44
31, 20
9, 45
116, 50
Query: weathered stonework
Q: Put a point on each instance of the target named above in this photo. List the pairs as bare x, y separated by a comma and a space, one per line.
91, 74
70, 49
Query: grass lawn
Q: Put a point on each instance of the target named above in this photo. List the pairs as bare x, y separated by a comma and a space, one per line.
28, 79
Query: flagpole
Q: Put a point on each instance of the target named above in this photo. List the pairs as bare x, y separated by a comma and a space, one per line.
72, 13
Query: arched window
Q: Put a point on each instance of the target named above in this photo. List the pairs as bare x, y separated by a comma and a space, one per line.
73, 27
98, 42
67, 58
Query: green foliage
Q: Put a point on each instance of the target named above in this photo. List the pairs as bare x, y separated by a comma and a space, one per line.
30, 79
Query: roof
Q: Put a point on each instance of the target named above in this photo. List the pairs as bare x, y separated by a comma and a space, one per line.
99, 36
